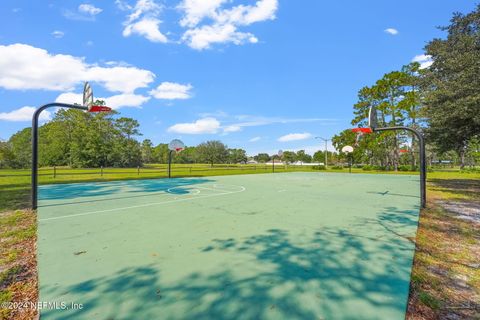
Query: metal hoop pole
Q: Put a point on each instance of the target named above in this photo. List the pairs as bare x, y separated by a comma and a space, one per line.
35, 118
170, 163
423, 167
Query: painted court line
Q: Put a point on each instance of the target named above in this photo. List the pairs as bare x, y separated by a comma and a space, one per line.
140, 206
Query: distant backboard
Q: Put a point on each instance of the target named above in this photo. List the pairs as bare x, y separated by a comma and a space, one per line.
176, 145
347, 149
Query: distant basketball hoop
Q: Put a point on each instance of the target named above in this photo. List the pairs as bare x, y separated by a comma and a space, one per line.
174, 146
279, 155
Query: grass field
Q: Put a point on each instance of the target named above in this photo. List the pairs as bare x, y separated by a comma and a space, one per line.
436, 290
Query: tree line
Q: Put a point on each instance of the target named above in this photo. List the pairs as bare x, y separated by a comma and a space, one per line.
88, 140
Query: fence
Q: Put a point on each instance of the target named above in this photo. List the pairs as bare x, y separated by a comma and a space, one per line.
179, 171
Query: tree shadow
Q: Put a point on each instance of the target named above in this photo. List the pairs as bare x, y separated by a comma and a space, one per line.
116, 190
459, 187
357, 272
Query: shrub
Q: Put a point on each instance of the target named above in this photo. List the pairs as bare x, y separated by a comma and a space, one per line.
318, 168
337, 167
367, 167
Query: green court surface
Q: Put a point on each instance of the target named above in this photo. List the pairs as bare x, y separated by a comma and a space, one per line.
264, 246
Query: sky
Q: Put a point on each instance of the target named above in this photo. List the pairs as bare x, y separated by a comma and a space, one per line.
260, 75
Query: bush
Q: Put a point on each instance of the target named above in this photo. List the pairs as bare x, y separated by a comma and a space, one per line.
337, 167
319, 168
367, 167
470, 170
358, 166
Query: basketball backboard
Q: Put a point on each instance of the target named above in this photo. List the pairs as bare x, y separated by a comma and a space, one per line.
87, 96
88, 100
373, 118
176, 145
347, 149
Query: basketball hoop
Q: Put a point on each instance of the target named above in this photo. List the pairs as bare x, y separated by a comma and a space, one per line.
347, 149
176, 145
87, 105
362, 130
88, 100
373, 121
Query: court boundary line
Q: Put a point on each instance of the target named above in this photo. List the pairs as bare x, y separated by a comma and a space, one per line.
142, 205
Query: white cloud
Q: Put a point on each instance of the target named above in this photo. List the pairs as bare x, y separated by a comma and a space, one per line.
85, 12
424, 60
115, 102
24, 114
58, 34
143, 20
233, 128
255, 121
196, 10
295, 137
224, 24
391, 31
89, 9
202, 38
255, 139
121, 79
126, 100
247, 14
148, 28
171, 91
25, 67
201, 126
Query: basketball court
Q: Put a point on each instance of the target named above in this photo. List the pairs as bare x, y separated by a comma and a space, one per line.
264, 246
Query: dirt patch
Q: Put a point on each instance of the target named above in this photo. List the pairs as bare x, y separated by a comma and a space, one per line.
466, 210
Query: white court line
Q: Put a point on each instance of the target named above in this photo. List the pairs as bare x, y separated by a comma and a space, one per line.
213, 189
141, 205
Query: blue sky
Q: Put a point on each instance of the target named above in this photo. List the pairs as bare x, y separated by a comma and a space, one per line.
260, 75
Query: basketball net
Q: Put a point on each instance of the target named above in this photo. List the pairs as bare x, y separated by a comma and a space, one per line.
360, 132
359, 137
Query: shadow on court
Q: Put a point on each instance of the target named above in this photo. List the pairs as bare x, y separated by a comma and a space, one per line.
116, 190
331, 273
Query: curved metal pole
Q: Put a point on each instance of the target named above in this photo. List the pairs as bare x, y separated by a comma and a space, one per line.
35, 117
423, 167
